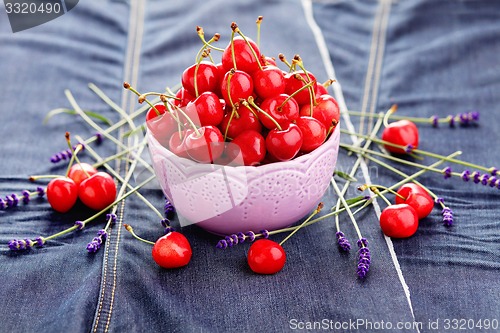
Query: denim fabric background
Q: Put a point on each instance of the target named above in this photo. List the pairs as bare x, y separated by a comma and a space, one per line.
430, 57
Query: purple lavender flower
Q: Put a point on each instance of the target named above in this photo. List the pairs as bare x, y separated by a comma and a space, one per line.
492, 181
250, 235
447, 172
40, 241
2, 204
484, 179
98, 137
169, 209
439, 201
26, 196
452, 120
97, 241
240, 237
112, 217
364, 258
435, 121
447, 216
494, 171
466, 175
79, 225
343, 242
13, 245
41, 191
264, 233
409, 148
476, 176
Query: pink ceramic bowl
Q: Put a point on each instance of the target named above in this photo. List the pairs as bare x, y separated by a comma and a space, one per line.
229, 199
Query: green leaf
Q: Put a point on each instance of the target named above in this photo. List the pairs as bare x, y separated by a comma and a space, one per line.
91, 114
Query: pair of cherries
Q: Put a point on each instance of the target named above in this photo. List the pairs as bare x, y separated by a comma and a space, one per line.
96, 189
401, 220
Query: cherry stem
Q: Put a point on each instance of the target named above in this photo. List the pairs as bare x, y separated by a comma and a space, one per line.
208, 44
127, 86
346, 206
233, 113
74, 156
38, 177
389, 112
258, 22
229, 77
178, 109
252, 103
282, 58
377, 192
315, 212
131, 230
305, 86
232, 50
235, 28
376, 187
297, 60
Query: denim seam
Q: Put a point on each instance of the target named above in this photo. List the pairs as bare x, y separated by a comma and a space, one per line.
337, 89
102, 319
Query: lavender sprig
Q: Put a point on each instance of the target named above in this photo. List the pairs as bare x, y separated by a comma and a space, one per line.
97, 241
343, 242
169, 209
240, 237
364, 258
65, 154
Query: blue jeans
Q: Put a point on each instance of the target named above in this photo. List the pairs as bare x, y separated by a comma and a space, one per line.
428, 57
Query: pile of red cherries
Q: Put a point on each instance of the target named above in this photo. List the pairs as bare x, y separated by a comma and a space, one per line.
266, 113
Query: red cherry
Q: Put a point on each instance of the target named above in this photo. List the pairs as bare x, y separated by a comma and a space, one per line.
98, 191
251, 145
172, 250
245, 60
81, 171
399, 221
321, 90
313, 133
292, 84
176, 144
242, 121
267, 61
268, 81
205, 146
207, 109
240, 87
284, 144
266, 257
161, 126
62, 193
416, 197
184, 97
282, 113
207, 78
326, 110
401, 132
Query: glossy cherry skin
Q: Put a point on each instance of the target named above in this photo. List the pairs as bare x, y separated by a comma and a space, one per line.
401, 132
183, 98
206, 145
326, 110
266, 257
284, 144
321, 90
251, 145
207, 78
268, 81
292, 84
207, 108
313, 133
98, 191
399, 221
245, 60
176, 144
62, 193
172, 250
240, 87
282, 113
161, 126
81, 171
242, 121
416, 197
